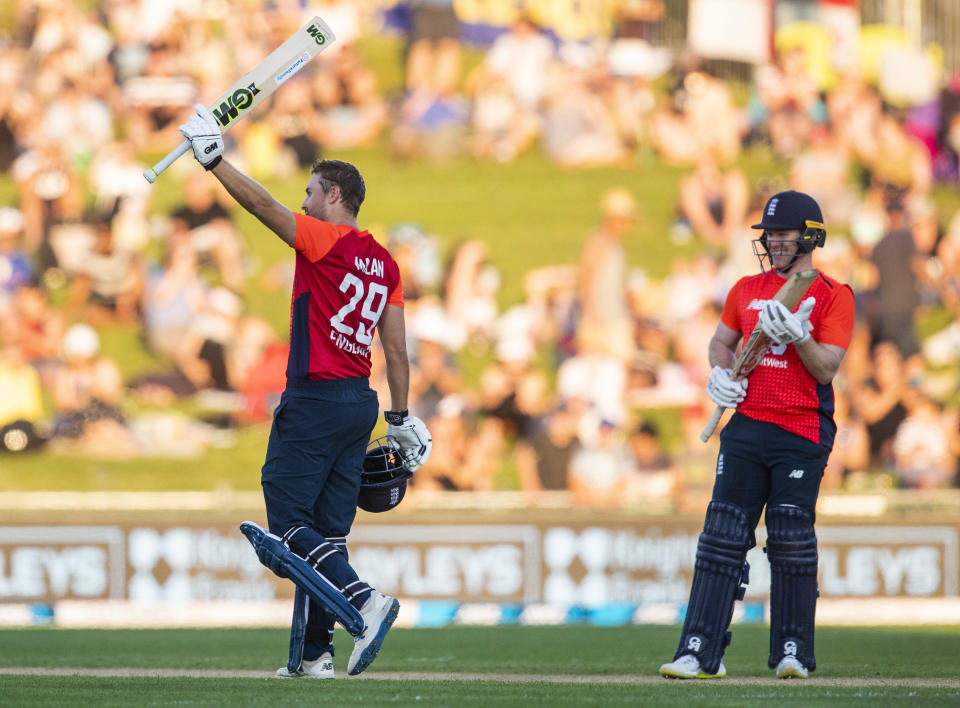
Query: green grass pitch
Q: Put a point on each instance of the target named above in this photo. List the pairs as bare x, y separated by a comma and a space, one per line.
473, 666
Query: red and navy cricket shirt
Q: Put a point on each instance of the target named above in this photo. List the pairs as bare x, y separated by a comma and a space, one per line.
343, 281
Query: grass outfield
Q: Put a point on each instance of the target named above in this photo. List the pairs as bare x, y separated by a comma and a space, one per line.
506, 666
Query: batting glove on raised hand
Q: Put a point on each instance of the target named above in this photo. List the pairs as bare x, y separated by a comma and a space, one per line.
723, 390
783, 326
206, 138
414, 441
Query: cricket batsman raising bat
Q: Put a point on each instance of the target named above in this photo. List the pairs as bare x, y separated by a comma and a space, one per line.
346, 290
775, 447
265, 78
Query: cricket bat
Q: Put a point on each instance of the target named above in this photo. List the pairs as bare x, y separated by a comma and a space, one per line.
790, 294
265, 78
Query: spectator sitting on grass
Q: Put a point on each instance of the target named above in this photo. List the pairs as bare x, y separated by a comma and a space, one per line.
109, 284
174, 294
545, 454
431, 119
653, 480
599, 471
788, 101
470, 290
350, 112
34, 327
202, 354
713, 203
851, 454
698, 117
522, 56
822, 170
449, 428
579, 129
212, 235
501, 127
923, 450
87, 397
878, 401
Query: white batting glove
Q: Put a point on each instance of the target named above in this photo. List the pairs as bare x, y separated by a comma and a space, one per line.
723, 390
206, 138
414, 441
783, 326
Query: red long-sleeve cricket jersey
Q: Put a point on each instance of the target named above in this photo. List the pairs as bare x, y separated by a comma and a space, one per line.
781, 389
343, 281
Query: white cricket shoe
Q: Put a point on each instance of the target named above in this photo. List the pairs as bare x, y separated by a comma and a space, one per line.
790, 667
688, 667
321, 668
378, 614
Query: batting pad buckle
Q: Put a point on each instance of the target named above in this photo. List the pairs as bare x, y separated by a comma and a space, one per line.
286, 564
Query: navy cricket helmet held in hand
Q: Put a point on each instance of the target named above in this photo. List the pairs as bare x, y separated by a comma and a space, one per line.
383, 481
786, 211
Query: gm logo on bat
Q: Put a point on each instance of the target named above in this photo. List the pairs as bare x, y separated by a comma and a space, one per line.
239, 100
317, 35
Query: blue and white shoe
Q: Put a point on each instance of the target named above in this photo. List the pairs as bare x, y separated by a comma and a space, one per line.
378, 614
688, 667
321, 668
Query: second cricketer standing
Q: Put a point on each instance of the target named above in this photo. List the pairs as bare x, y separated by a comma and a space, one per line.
774, 449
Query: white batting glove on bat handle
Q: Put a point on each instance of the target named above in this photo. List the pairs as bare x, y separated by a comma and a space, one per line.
783, 326
723, 390
414, 441
206, 138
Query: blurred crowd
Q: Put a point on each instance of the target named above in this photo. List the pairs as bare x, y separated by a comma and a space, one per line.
579, 383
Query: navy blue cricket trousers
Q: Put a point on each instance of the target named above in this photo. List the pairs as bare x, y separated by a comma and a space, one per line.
762, 464
311, 479
311, 476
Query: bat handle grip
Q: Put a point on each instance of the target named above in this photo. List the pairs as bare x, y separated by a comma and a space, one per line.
712, 423
152, 173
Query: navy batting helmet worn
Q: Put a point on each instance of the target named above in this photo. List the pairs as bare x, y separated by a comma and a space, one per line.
383, 481
790, 210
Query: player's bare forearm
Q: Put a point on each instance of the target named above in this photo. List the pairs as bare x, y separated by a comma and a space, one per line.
822, 360
252, 196
721, 355
723, 346
398, 380
394, 339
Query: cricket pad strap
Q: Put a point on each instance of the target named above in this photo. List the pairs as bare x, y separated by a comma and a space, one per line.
274, 554
720, 574
792, 552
